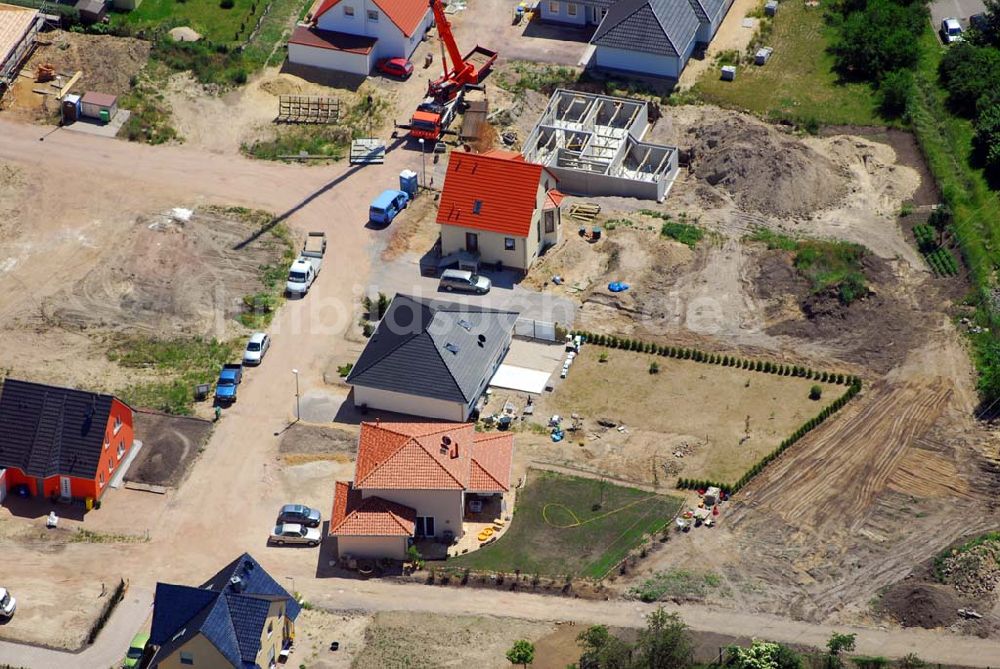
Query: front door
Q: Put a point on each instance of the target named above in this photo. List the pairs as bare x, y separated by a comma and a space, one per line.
424, 526
65, 490
472, 242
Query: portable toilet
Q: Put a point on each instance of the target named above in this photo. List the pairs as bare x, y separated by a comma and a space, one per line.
771, 7
70, 108
408, 182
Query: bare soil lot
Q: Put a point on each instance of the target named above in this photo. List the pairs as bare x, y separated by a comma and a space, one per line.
303, 443
401, 639
170, 445
728, 418
108, 65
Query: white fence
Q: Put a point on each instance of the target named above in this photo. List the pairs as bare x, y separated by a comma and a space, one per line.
532, 329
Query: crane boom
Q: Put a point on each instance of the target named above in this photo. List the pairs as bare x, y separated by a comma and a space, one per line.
460, 68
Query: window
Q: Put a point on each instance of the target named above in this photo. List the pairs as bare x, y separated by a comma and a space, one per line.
550, 222
553, 7
424, 526
121, 449
349, 11
107, 442
477, 206
111, 465
571, 9
118, 424
508, 244
270, 628
100, 479
186, 657
372, 15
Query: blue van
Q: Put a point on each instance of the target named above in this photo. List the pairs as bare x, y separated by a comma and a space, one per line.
385, 207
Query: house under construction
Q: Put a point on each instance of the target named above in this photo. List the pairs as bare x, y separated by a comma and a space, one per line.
18, 29
593, 145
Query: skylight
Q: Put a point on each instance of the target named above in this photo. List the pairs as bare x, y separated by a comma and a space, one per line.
465, 324
477, 206
452, 348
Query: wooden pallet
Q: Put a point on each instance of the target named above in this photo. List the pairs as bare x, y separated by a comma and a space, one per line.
308, 109
585, 213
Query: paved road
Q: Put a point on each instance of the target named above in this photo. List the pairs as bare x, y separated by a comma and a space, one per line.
237, 475
959, 9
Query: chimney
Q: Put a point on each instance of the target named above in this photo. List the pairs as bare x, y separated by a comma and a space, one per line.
378, 421
236, 583
454, 450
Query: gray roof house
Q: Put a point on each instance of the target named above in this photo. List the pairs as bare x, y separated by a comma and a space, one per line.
651, 37
431, 358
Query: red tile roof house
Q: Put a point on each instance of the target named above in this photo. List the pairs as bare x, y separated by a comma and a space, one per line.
61, 442
412, 481
351, 35
498, 208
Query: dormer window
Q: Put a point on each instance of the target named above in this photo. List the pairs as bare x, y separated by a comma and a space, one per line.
118, 424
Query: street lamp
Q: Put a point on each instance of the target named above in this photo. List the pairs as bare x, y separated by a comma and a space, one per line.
298, 414
423, 163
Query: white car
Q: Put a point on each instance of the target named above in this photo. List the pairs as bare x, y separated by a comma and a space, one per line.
293, 533
256, 348
7, 603
951, 31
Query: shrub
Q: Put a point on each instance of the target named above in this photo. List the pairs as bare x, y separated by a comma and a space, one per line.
654, 368
895, 92
603, 357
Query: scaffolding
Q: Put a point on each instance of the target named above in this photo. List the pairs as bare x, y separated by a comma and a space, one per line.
593, 144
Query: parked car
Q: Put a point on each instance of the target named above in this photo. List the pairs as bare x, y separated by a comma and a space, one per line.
395, 67
7, 603
229, 378
305, 268
464, 281
256, 348
951, 31
135, 650
293, 533
387, 205
301, 514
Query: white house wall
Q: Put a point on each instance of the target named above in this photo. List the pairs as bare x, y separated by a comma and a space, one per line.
393, 548
342, 61
706, 31
415, 405
559, 11
445, 506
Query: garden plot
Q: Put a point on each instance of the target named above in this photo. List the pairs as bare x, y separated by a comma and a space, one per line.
714, 422
572, 526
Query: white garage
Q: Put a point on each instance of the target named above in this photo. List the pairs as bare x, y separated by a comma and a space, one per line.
332, 50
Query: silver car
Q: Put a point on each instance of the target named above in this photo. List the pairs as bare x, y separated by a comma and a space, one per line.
465, 281
293, 533
256, 348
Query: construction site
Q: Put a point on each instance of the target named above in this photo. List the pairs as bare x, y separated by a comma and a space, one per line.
684, 227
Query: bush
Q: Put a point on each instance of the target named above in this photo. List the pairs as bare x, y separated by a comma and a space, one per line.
878, 38
969, 73
227, 4
654, 368
895, 92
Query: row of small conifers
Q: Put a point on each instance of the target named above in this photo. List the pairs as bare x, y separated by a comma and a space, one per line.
852, 382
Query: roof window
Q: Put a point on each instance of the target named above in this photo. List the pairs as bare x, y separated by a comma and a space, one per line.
452, 348
477, 206
465, 324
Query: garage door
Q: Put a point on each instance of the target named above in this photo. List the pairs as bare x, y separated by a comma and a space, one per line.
330, 59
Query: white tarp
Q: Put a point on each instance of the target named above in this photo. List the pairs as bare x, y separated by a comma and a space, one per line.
520, 378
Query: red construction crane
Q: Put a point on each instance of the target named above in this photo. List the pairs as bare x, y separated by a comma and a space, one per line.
435, 113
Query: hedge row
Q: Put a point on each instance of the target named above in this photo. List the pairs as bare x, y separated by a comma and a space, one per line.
109, 607
681, 353
852, 382
805, 429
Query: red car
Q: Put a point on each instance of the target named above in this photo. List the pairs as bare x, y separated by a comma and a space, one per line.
395, 67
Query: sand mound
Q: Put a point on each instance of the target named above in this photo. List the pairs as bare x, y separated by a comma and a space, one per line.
764, 170
922, 605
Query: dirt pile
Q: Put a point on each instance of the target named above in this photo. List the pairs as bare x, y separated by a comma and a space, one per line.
974, 572
764, 170
921, 605
170, 276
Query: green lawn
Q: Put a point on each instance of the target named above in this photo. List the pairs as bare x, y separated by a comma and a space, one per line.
207, 17
539, 541
798, 81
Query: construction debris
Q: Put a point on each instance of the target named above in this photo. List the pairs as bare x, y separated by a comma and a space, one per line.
45, 72
584, 212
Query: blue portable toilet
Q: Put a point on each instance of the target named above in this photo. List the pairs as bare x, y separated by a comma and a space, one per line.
408, 183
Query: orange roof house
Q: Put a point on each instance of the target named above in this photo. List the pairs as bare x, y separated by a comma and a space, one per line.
498, 208
411, 480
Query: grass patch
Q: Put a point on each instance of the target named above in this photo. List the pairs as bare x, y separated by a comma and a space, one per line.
675, 583
679, 230
829, 265
208, 17
83, 535
182, 362
981, 540
946, 142
260, 307
798, 83
533, 545
524, 76
150, 118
